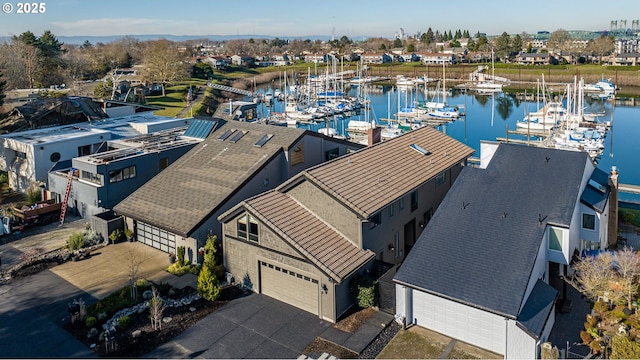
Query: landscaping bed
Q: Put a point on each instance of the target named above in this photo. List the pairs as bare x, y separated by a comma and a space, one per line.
139, 338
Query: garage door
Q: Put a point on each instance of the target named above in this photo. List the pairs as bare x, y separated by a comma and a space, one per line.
157, 238
289, 286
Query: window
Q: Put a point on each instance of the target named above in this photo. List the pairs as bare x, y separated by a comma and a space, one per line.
391, 210
94, 178
84, 150
414, 200
122, 174
555, 239
440, 178
332, 154
20, 154
248, 228
55, 157
588, 221
401, 203
375, 220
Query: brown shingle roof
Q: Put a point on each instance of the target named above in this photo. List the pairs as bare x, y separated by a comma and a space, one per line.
317, 241
373, 177
189, 191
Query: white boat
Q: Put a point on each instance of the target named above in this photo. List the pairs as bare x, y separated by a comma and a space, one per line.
603, 88
546, 118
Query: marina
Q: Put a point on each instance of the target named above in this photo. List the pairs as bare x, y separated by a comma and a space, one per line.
492, 117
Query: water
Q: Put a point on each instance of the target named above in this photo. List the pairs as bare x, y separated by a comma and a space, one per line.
488, 117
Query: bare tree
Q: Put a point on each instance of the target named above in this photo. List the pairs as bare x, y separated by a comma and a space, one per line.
163, 63
133, 261
559, 39
601, 46
627, 264
593, 276
156, 309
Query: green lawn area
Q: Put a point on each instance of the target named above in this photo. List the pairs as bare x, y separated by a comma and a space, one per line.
175, 98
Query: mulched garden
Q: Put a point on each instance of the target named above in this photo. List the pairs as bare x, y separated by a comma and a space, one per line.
147, 339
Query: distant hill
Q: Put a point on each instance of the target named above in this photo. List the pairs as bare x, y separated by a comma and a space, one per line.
178, 38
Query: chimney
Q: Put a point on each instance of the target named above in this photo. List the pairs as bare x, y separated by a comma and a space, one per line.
374, 135
612, 233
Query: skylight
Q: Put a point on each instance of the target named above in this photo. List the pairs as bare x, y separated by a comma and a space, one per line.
597, 186
419, 149
226, 135
234, 139
263, 140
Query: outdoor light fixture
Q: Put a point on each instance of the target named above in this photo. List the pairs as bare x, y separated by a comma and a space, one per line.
324, 288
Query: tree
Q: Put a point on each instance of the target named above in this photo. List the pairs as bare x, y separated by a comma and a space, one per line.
411, 48
208, 286
210, 252
516, 44
559, 39
156, 309
601, 46
103, 90
427, 37
397, 43
133, 261
3, 84
593, 275
163, 63
627, 264
503, 45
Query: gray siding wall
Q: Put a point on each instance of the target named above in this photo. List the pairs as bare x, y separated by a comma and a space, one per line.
329, 209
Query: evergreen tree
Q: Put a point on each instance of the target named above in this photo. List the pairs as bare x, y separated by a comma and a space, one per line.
465, 34
208, 286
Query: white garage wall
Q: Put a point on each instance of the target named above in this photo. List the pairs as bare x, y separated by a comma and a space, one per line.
520, 344
465, 323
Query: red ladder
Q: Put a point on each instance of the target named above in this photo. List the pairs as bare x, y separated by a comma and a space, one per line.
63, 210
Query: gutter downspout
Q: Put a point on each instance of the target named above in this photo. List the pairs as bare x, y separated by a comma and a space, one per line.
506, 337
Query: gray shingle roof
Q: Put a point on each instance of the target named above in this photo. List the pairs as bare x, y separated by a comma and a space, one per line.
189, 191
330, 251
371, 178
536, 310
482, 243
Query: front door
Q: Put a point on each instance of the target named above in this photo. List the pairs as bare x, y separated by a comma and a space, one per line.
409, 236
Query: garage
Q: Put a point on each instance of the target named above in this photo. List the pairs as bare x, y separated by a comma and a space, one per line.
289, 286
155, 237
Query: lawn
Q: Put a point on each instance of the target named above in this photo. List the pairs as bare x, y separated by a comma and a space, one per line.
175, 99
414, 343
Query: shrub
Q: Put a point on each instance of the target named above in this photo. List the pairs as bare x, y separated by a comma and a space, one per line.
218, 271
595, 347
208, 286
624, 348
180, 251
195, 270
141, 283
33, 195
128, 233
591, 321
363, 290
600, 307
90, 321
115, 235
123, 322
3, 177
76, 241
593, 332
585, 337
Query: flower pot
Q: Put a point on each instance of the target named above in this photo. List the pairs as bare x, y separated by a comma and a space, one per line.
172, 259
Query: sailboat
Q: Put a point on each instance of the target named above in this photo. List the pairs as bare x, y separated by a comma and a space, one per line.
440, 110
488, 86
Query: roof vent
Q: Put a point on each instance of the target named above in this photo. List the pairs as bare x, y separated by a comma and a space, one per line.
464, 206
419, 149
546, 159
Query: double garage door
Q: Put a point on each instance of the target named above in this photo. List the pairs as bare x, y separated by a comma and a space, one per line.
289, 286
155, 237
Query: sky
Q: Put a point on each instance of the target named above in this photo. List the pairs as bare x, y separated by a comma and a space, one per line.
356, 19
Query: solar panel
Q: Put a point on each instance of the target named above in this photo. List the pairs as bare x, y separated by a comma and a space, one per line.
263, 140
200, 128
234, 139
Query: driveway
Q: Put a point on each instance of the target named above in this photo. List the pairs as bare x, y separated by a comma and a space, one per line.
254, 326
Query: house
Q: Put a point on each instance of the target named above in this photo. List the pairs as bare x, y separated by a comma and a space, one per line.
216, 62
101, 180
437, 58
486, 270
27, 156
627, 59
534, 59
304, 241
180, 206
242, 60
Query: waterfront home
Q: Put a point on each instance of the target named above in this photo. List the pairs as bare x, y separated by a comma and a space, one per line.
436, 58
242, 60
27, 156
101, 180
180, 206
487, 270
304, 241
534, 59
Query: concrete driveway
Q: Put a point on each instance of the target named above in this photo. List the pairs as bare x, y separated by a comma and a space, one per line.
254, 326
